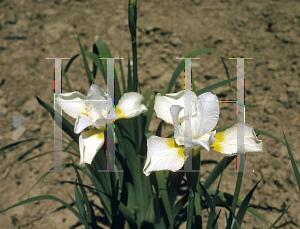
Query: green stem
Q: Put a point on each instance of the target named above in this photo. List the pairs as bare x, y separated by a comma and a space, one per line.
190, 210
132, 19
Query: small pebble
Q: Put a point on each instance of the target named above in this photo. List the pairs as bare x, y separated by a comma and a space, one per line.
18, 133
16, 122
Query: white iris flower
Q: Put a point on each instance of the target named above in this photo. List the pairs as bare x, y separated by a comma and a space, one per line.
168, 153
92, 111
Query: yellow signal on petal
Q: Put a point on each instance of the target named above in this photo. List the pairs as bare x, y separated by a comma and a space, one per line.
219, 139
171, 143
119, 114
98, 132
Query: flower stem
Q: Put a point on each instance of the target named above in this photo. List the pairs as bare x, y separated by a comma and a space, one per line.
132, 19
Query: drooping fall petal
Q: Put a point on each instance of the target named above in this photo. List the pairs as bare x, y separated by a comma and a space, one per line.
226, 141
130, 105
163, 154
89, 144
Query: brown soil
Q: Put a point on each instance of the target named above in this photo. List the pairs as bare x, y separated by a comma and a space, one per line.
166, 30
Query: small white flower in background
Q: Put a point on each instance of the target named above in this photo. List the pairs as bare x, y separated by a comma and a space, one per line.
90, 113
168, 153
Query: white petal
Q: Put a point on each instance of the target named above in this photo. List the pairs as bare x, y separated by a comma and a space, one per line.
81, 123
163, 104
163, 154
178, 132
207, 114
226, 141
103, 103
204, 141
72, 103
89, 144
130, 105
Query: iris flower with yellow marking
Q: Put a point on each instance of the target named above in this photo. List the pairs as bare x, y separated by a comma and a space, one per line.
92, 111
168, 153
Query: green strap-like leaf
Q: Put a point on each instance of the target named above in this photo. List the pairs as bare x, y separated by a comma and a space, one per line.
295, 168
164, 195
244, 205
180, 67
229, 198
216, 85
86, 66
282, 214
44, 197
66, 125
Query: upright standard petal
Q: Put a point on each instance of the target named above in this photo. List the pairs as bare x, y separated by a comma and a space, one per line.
226, 141
130, 105
178, 131
163, 154
207, 114
81, 123
163, 104
72, 103
98, 100
89, 144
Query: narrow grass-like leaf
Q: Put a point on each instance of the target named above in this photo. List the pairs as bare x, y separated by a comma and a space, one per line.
128, 216
193, 84
96, 63
44, 197
244, 205
79, 202
217, 171
295, 168
212, 214
2, 149
237, 191
149, 113
190, 208
67, 80
101, 50
214, 224
122, 75
180, 67
90, 214
147, 96
282, 214
66, 125
164, 195
228, 197
179, 205
63, 166
70, 62
129, 76
216, 85
86, 66
43, 154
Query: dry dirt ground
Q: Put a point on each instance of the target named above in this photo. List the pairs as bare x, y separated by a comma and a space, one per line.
166, 30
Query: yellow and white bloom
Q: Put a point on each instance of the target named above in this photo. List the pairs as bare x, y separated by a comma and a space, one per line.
226, 141
168, 153
92, 111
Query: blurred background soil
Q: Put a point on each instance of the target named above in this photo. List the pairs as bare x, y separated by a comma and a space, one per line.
32, 30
